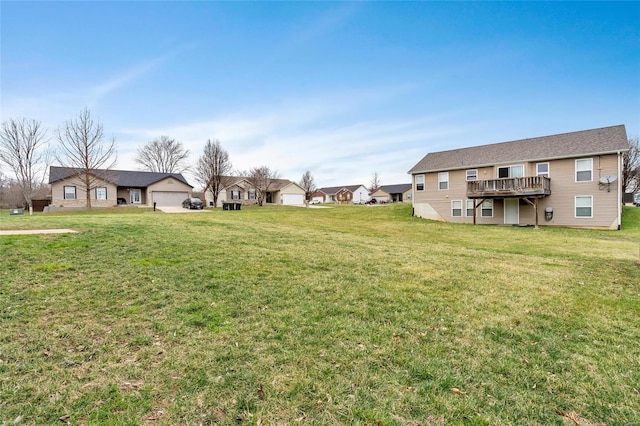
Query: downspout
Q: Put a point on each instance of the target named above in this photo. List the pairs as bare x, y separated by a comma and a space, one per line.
620, 195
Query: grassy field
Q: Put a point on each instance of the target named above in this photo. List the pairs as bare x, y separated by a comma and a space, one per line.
351, 315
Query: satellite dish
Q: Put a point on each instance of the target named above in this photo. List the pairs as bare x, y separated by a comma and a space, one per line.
607, 179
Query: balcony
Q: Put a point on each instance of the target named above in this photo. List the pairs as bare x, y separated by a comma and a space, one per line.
534, 186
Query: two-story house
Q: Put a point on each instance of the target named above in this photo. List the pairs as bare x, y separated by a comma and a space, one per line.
569, 179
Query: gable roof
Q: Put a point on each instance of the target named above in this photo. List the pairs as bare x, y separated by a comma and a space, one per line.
605, 140
330, 190
395, 189
134, 179
276, 184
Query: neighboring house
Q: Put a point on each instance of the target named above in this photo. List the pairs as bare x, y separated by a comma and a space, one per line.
130, 187
570, 179
393, 193
356, 194
239, 189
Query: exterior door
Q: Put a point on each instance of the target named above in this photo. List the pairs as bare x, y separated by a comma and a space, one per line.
135, 196
511, 211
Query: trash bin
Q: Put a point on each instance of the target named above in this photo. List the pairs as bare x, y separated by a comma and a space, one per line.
225, 206
16, 211
237, 206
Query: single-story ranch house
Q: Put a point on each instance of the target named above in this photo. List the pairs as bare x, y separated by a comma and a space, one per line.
569, 179
111, 186
238, 189
356, 194
393, 193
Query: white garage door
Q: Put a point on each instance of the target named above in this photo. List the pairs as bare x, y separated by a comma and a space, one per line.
165, 198
292, 199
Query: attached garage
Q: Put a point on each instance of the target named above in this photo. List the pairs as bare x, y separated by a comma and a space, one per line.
167, 198
293, 199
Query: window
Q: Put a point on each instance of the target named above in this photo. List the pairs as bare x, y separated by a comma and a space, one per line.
472, 174
470, 205
101, 193
235, 195
456, 208
251, 195
487, 208
542, 169
511, 172
420, 183
584, 170
443, 181
69, 192
584, 206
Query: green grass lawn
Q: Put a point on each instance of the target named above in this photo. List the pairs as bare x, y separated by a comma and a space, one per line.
350, 315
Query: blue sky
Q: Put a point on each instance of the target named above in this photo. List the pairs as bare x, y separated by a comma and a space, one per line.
342, 89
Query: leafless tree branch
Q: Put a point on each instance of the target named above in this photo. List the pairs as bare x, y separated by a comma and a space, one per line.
214, 168
164, 155
631, 167
83, 150
261, 178
22, 149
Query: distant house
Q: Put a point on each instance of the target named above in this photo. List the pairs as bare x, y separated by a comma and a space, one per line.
393, 193
341, 194
114, 187
569, 179
239, 189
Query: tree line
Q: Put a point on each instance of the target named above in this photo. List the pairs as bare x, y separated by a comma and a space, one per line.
84, 150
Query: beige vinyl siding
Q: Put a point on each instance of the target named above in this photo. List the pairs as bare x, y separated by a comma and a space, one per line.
433, 202
564, 189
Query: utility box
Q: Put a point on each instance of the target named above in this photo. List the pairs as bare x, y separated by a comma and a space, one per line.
13, 212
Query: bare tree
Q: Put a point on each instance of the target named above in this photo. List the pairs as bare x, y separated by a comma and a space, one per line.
214, 168
307, 183
83, 150
22, 149
261, 178
374, 183
631, 167
164, 155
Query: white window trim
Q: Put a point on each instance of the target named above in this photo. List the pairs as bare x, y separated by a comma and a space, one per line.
590, 170
461, 208
492, 208
105, 193
575, 207
547, 173
64, 192
442, 181
467, 175
509, 167
418, 183
466, 207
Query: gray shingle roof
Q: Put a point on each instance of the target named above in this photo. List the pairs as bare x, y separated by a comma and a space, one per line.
396, 189
330, 190
604, 140
133, 179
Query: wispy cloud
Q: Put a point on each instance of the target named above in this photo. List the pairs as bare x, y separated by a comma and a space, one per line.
304, 134
135, 72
